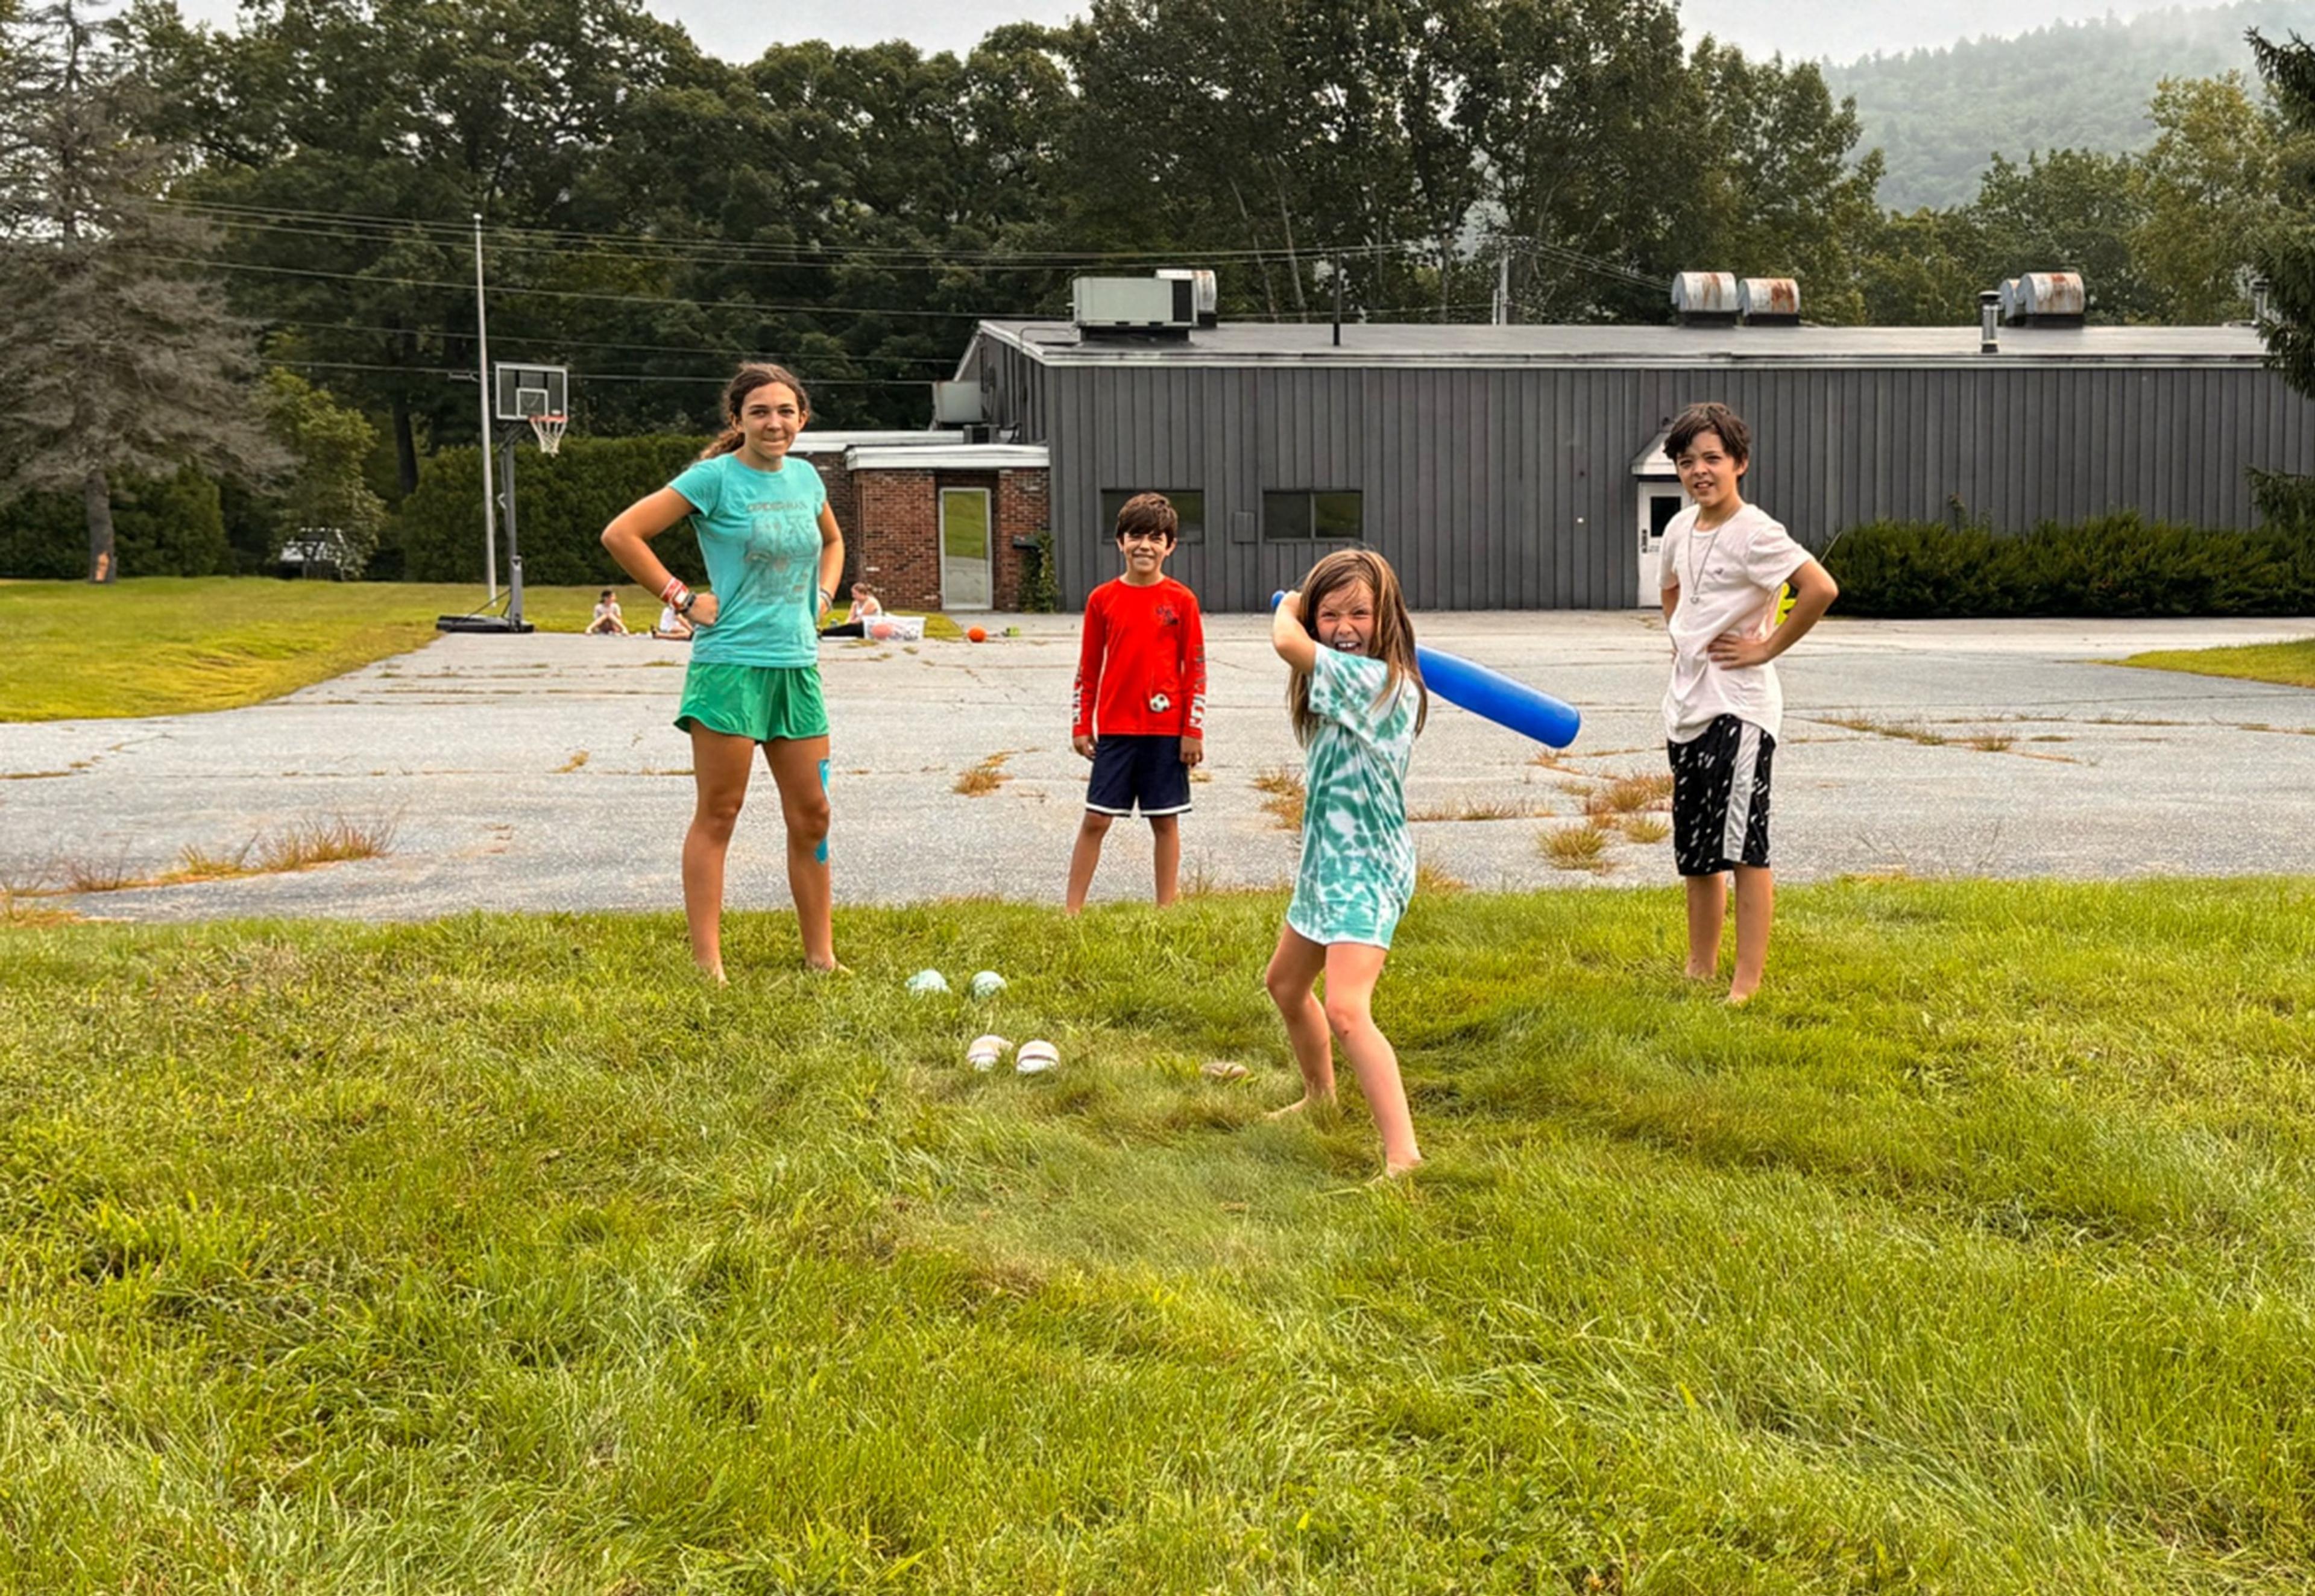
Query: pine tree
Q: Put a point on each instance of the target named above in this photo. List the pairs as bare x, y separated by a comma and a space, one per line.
2285, 253
119, 355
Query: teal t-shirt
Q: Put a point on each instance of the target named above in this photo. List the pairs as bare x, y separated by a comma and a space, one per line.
1358, 862
759, 534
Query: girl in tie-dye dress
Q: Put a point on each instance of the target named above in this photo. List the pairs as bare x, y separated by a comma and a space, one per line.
1358, 701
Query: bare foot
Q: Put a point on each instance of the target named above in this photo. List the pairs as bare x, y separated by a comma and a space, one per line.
1692, 973
1397, 1172
714, 972
1737, 1000
833, 967
1304, 1105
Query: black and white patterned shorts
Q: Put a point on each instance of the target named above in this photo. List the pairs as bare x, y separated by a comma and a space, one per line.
1720, 797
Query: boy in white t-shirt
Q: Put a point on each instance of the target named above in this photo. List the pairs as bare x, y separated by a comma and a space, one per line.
1723, 561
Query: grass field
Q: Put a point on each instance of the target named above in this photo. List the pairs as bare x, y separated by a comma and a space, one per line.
2293, 664
177, 645
173, 646
499, 1254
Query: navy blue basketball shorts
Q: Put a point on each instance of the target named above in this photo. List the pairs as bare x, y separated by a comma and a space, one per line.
1720, 797
1147, 771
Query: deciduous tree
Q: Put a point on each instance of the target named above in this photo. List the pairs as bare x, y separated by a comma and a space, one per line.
2208, 183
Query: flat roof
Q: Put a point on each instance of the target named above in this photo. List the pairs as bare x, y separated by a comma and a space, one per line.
962, 457
1436, 344
813, 441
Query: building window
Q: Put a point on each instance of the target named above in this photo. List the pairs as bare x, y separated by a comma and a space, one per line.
1303, 516
1189, 504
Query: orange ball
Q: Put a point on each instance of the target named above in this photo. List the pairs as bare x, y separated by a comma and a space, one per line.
975, 635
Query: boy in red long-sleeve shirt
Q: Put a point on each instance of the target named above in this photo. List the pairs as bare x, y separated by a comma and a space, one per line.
1140, 685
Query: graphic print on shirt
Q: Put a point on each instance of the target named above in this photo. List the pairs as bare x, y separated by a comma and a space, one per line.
1141, 663
777, 548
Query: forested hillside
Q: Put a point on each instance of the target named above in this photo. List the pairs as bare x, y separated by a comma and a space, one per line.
1939, 116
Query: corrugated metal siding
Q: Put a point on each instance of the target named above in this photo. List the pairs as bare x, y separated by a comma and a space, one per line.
1013, 390
1508, 488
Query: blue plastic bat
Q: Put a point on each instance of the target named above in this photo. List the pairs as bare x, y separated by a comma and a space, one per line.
1511, 704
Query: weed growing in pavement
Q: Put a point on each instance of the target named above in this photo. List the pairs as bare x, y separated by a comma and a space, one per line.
986, 776
1285, 796
1576, 847
1481, 808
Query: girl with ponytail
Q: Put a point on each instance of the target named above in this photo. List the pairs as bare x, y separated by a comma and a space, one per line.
774, 554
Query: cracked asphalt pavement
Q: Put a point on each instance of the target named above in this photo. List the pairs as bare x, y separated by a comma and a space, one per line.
542, 773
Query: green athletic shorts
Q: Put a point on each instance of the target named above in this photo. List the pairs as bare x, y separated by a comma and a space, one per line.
767, 703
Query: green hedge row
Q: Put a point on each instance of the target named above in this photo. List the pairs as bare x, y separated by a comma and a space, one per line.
565, 500
2119, 564
184, 525
163, 526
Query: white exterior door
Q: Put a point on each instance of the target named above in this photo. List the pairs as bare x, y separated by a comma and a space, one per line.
966, 548
1659, 502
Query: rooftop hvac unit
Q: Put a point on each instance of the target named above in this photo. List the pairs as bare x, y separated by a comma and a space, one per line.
956, 404
1134, 305
1705, 296
1205, 293
1769, 301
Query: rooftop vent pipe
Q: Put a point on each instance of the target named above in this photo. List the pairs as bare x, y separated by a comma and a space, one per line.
1989, 323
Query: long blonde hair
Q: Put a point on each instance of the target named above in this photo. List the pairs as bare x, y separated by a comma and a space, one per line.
754, 374
1394, 632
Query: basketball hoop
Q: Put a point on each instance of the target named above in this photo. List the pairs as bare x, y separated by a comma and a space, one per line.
548, 430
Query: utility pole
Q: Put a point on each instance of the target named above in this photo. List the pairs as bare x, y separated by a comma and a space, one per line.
483, 353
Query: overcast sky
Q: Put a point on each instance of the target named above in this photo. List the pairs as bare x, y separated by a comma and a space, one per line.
739, 30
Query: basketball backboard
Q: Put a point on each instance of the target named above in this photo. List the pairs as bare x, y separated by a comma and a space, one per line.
521, 391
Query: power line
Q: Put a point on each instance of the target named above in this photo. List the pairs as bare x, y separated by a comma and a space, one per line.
715, 351
466, 374
418, 282
731, 253
1573, 257
559, 239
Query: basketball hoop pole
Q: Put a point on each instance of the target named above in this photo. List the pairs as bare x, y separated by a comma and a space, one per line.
482, 375
514, 549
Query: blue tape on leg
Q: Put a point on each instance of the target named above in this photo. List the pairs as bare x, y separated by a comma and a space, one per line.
820, 854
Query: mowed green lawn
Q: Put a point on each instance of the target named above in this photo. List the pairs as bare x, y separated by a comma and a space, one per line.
499, 1255
173, 646
2290, 663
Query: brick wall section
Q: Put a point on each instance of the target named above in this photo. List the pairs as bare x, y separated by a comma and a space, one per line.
893, 533
1021, 511
839, 483
894, 537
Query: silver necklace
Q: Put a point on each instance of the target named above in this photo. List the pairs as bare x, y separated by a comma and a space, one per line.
1695, 558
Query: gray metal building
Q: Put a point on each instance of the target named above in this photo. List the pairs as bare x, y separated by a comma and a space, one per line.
1519, 467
